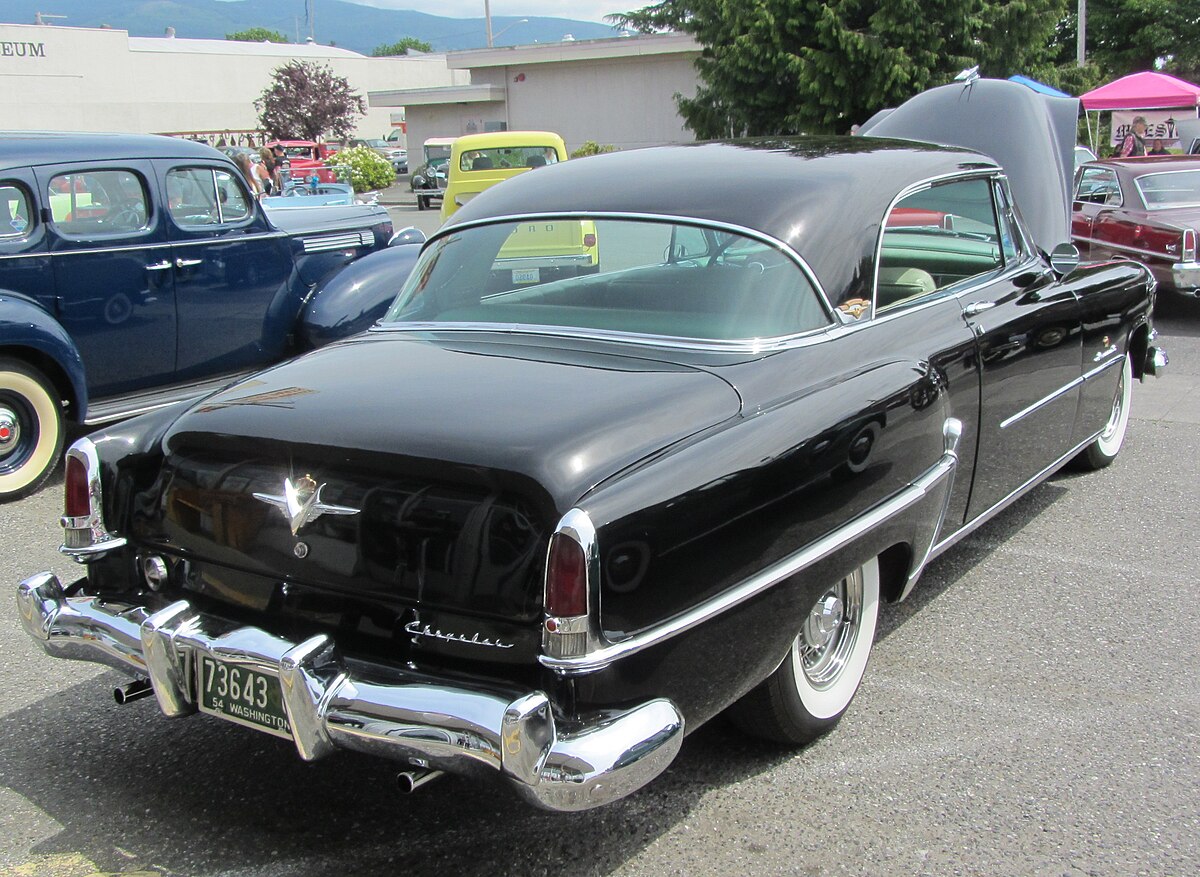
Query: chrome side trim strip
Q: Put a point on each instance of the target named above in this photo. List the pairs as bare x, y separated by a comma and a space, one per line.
972, 525
952, 432
1046, 400
327, 242
762, 581
1109, 245
167, 245
120, 407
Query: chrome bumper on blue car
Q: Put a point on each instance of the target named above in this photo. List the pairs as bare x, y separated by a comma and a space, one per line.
429, 723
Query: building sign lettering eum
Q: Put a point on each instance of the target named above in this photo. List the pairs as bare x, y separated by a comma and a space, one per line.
22, 50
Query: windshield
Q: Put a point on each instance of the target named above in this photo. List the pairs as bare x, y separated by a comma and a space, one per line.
1171, 189
610, 276
298, 151
375, 144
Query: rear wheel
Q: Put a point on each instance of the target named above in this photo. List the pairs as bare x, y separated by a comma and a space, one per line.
31, 429
1107, 445
814, 685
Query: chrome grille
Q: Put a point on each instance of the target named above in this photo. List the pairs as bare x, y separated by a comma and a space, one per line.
342, 241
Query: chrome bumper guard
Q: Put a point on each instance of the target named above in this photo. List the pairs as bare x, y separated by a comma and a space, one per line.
1186, 276
428, 723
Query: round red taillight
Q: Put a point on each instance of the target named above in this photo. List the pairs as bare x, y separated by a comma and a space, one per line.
566, 578
589, 240
78, 496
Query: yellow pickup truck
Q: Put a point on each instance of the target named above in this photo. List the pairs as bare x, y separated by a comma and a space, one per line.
538, 251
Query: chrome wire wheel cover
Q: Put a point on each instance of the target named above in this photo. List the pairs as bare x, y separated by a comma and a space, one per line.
830, 632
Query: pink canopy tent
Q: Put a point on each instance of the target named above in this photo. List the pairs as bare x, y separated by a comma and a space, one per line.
1142, 91
1138, 91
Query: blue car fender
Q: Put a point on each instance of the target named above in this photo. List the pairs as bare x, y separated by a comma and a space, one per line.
357, 296
27, 328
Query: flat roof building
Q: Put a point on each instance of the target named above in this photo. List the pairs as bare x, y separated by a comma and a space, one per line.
617, 91
99, 79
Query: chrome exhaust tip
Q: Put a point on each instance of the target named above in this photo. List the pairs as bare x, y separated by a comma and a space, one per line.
131, 691
410, 780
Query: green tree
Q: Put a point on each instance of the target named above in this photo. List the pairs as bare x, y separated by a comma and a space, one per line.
791, 66
306, 101
401, 48
1129, 36
368, 169
257, 35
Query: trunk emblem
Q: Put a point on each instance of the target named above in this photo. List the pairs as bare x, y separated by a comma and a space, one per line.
418, 629
301, 503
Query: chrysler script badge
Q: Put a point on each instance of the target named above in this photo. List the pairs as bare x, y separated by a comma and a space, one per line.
301, 503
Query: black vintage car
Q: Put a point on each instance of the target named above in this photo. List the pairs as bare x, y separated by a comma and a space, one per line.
539, 533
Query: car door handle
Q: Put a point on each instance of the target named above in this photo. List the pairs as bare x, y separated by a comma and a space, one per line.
159, 266
978, 307
187, 263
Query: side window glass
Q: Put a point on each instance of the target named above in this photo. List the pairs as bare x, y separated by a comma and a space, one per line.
232, 198
199, 197
1098, 185
92, 203
936, 238
14, 210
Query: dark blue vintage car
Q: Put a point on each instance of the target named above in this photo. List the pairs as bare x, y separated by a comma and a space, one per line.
138, 270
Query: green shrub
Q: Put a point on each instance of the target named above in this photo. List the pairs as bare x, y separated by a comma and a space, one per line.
591, 147
369, 170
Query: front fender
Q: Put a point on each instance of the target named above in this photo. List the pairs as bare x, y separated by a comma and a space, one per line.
357, 296
30, 333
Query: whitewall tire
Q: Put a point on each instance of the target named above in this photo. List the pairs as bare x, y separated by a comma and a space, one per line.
31, 429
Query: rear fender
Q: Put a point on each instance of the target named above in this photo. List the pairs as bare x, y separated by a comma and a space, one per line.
29, 333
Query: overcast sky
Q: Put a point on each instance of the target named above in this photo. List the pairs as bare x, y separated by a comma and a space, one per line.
586, 10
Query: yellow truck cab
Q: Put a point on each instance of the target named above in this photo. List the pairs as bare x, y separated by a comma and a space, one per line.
534, 253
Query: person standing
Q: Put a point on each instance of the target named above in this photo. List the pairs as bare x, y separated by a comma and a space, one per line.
247, 168
1134, 143
264, 171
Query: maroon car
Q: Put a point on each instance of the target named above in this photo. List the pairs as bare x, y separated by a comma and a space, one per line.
1146, 209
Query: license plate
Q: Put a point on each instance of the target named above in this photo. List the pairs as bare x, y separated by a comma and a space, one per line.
526, 275
243, 695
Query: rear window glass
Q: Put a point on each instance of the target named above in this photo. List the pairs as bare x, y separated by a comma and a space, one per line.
198, 197
14, 210
507, 158
611, 276
98, 203
1174, 189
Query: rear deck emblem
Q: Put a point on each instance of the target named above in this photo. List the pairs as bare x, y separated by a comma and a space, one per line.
301, 503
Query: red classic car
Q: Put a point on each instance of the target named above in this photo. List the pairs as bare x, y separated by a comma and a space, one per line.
1146, 209
305, 158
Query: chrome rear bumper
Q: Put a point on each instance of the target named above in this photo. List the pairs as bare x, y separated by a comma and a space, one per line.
331, 703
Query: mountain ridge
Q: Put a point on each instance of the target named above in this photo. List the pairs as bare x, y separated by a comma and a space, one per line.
336, 22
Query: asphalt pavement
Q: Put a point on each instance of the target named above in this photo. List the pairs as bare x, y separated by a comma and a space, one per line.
1033, 709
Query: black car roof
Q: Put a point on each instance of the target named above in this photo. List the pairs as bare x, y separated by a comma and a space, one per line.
35, 148
823, 196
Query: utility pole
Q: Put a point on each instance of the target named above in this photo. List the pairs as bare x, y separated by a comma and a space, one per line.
487, 14
1081, 36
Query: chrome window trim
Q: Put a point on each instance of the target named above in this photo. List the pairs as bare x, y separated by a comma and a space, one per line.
912, 189
610, 652
13, 237
754, 234
1106, 170
147, 199
221, 223
1137, 184
1112, 360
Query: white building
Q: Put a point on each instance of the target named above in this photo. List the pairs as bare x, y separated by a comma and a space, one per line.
614, 91
97, 79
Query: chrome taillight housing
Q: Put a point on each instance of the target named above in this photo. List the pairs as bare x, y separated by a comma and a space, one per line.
1189, 245
572, 562
84, 534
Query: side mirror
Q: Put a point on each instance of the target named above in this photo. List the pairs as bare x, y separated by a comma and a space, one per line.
1064, 259
410, 235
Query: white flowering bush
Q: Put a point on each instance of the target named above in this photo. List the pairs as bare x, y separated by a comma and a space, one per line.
369, 171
